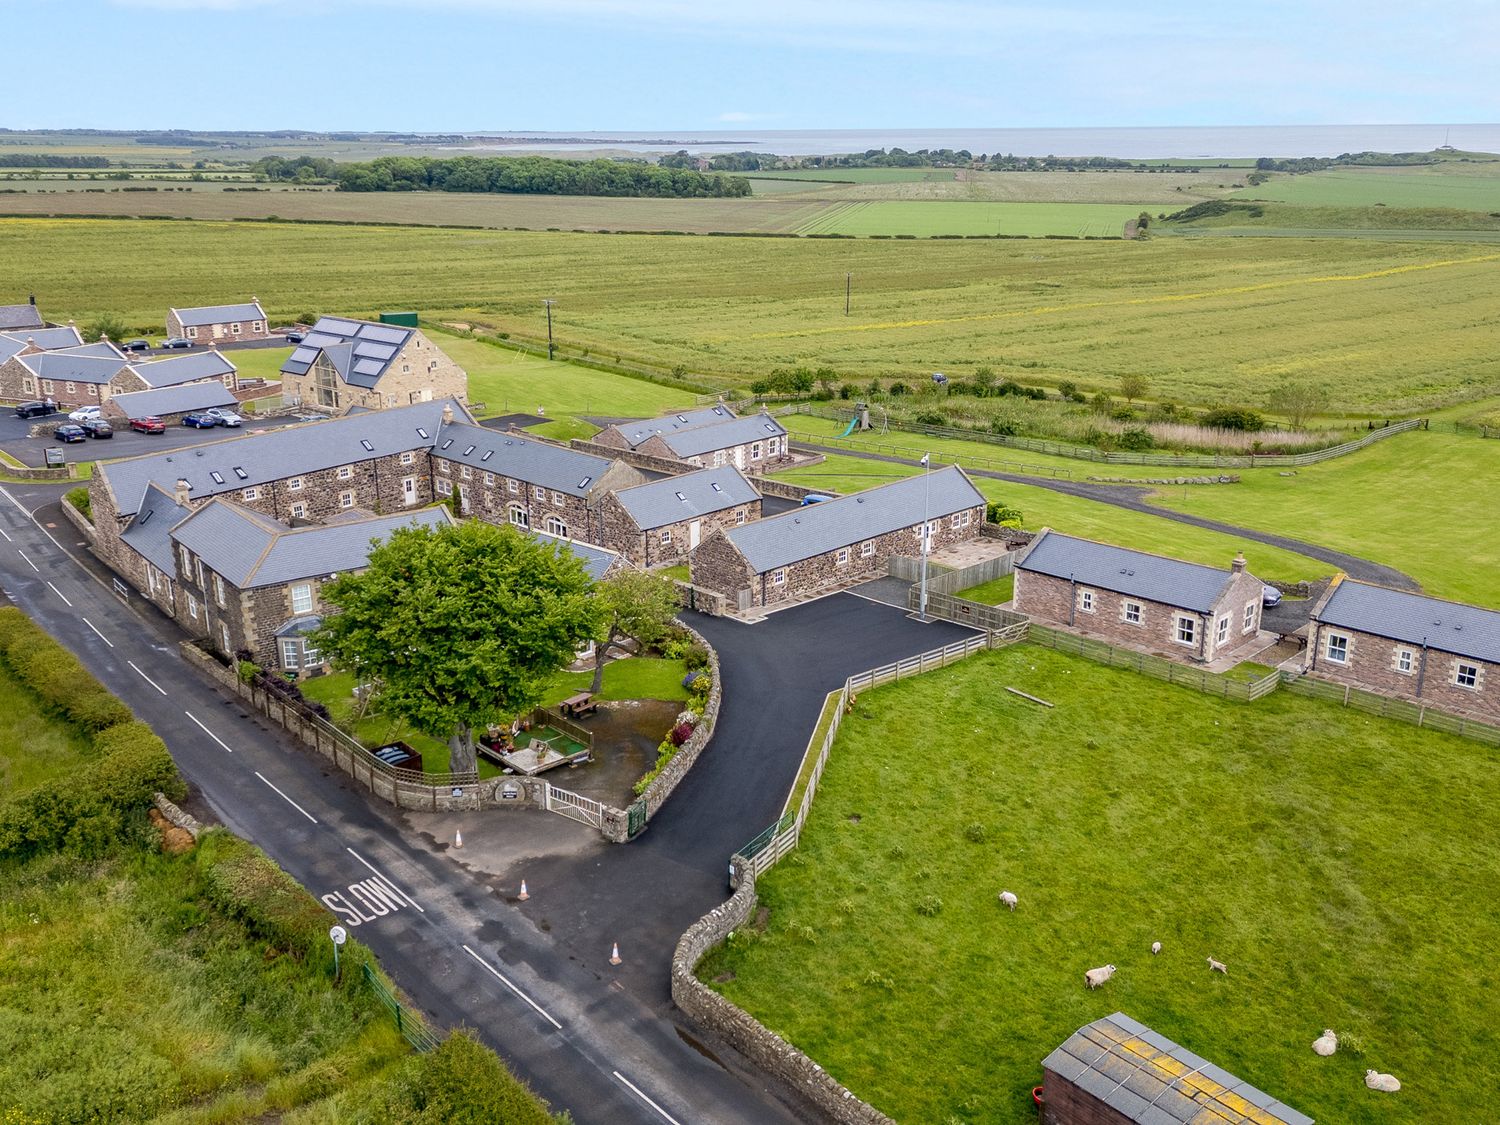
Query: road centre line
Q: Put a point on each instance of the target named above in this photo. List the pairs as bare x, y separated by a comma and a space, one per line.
210, 733
642, 1095
5, 533
145, 677
539, 1009
29, 563
385, 878
285, 798
98, 634
60, 594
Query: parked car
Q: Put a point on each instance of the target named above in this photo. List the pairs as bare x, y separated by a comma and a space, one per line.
814, 498
1269, 596
200, 420
70, 433
225, 417
176, 342
36, 409
84, 413
136, 346
97, 428
296, 336
150, 424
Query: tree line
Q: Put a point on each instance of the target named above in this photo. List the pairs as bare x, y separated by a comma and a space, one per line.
50, 160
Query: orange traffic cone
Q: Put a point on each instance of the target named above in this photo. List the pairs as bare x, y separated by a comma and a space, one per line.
523, 896
458, 839
614, 954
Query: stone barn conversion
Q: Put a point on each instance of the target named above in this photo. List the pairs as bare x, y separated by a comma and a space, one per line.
344, 363
708, 437
662, 522
821, 546
1423, 649
1116, 1071
1173, 608
220, 322
21, 318
170, 403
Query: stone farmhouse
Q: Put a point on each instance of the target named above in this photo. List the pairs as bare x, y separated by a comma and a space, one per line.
169, 403
1143, 601
220, 322
345, 363
821, 546
1419, 648
661, 523
708, 438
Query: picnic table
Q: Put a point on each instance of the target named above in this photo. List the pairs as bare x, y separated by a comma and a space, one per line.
579, 705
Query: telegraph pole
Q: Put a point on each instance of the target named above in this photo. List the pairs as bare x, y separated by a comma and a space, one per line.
548, 303
848, 284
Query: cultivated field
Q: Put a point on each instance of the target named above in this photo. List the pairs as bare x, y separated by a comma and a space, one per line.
928, 219
1142, 189
1383, 326
1462, 187
1341, 866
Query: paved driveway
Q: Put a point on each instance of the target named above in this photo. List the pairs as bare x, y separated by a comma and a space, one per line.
125, 442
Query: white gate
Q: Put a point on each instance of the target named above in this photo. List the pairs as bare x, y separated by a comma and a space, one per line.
575, 806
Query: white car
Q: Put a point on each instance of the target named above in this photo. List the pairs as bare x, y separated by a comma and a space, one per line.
225, 417
85, 413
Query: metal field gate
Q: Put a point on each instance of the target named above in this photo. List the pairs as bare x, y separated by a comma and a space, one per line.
575, 806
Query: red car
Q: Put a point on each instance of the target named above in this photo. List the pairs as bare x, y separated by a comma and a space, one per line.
150, 425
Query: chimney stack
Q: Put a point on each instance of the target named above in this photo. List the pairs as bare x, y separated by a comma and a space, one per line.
1239, 564
180, 492
447, 414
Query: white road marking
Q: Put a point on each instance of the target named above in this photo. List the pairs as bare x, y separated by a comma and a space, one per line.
388, 880
29, 563
210, 733
8, 539
60, 594
98, 634
498, 976
279, 793
145, 677
642, 1095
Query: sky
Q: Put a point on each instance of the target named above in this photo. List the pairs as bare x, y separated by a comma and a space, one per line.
702, 65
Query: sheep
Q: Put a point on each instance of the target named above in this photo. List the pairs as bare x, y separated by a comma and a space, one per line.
1217, 967
1008, 899
1095, 977
1155, 948
1377, 1081
1327, 1043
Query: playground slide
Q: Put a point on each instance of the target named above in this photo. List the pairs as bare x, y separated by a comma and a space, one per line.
850, 428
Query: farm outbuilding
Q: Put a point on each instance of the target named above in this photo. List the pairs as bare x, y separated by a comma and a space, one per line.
1117, 1071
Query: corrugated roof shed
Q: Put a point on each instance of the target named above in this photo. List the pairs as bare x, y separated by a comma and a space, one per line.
722, 435
174, 400
360, 350
509, 454
1133, 573
819, 528
1151, 1080
1463, 630
187, 368
682, 498
637, 432
204, 315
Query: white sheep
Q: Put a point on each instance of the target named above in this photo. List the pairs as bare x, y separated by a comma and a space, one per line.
1008, 899
1377, 1081
1095, 977
1155, 948
1217, 967
1327, 1043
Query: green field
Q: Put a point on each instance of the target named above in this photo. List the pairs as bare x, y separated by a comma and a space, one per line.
1383, 325
1462, 187
857, 175
1341, 866
927, 219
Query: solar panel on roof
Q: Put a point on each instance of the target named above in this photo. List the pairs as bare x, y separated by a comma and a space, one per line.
321, 339
384, 335
375, 351
339, 324
367, 366
304, 355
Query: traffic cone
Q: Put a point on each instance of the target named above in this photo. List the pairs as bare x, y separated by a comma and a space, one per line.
614, 954
523, 896
458, 839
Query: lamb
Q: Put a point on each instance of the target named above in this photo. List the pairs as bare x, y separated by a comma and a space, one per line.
1327, 1043
1155, 948
1095, 977
1008, 899
1217, 967
1377, 1081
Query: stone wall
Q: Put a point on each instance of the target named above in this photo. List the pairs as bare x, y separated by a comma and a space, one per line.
76, 518
176, 817
672, 774
618, 531
785, 490
1373, 666
746, 1034
669, 465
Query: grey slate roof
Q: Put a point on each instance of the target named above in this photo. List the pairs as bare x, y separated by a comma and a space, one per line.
150, 533
219, 314
510, 454
637, 432
682, 498
360, 350
1463, 630
1133, 573
174, 400
187, 368
256, 458
819, 528
75, 365
20, 316
722, 435
1150, 1079
596, 560
48, 339
252, 550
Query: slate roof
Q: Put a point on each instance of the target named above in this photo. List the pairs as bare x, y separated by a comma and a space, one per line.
637, 432
150, 533
360, 350
75, 365
1149, 1079
1463, 630
47, 339
219, 314
101, 349
1133, 573
256, 458
188, 368
721, 435
819, 528
174, 400
596, 560
682, 498
20, 316
252, 550
509, 454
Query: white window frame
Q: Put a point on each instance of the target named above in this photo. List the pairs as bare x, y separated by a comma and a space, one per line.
1406, 661
842, 558
519, 516
346, 472
219, 590
1221, 630
302, 598
187, 560
291, 654
192, 607
778, 577
1087, 603
755, 451
224, 638
557, 499
1132, 613
346, 499
1344, 645
489, 480
867, 549
739, 515
443, 487
1184, 624
299, 511
1249, 621
294, 485
71, 388
554, 526
957, 521
666, 536
538, 493
234, 329
443, 467
192, 333
311, 657
250, 494
408, 458
257, 326
1464, 671
513, 487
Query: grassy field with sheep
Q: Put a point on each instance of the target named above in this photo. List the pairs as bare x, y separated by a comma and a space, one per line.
1340, 866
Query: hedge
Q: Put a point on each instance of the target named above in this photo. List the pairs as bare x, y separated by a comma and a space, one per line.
459, 1082
246, 884
56, 674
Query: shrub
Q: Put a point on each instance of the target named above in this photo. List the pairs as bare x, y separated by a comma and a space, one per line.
1136, 439
900, 389
1006, 427
929, 905
56, 675
931, 418
975, 833
245, 883
680, 733
848, 391
1002, 514
1240, 418
695, 657
461, 1082
79, 498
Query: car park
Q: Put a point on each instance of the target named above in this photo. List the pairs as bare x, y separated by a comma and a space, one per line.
225, 417
68, 432
84, 413
177, 342
97, 428
150, 424
200, 420
35, 409
295, 336
136, 346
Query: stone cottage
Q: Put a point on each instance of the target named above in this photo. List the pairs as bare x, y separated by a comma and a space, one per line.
344, 363
215, 323
660, 523
708, 437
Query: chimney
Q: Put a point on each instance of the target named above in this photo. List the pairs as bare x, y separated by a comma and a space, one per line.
1239, 564
180, 492
447, 414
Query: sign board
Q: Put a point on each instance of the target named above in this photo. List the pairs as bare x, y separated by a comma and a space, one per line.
338, 935
56, 456
510, 791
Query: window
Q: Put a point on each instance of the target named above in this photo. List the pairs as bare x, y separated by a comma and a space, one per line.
192, 607
311, 657
778, 577
755, 451
218, 589
1337, 648
538, 492
489, 479
512, 487
519, 517
299, 511
557, 499
70, 388
1187, 630
443, 467
302, 598
187, 560
1466, 675
408, 458
739, 515
291, 653
956, 522
867, 548
773, 447
235, 328
1086, 601
666, 535
1405, 661
192, 333
718, 458
202, 583
224, 638
1221, 630
47, 386
555, 526
257, 326
842, 557
1131, 613
294, 485
346, 499
93, 391
346, 472
444, 487
1249, 625
250, 494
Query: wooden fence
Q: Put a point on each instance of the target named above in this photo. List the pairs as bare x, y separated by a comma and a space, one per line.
1388, 707
950, 580
1199, 679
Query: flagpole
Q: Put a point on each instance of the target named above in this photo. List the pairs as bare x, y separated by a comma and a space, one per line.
926, 530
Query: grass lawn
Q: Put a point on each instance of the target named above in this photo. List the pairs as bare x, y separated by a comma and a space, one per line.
635, 677
35, 748
1341, 866
564, 429
259, 363
997, 591
682, 572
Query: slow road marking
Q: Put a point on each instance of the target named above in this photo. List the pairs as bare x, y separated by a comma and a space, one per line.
386, 879
145, 677
277, 791
665, 1116
500, 977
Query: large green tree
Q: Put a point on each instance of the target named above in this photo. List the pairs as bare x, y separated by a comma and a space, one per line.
460, 627
633, 605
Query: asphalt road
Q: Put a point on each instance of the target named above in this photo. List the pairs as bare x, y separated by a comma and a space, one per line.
125, 442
